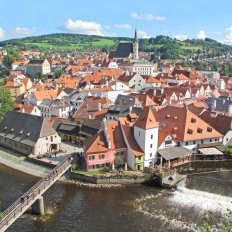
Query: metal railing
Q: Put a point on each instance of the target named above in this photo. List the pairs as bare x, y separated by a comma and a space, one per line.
29, 197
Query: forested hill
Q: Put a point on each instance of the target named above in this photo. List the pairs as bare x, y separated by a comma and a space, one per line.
162, 46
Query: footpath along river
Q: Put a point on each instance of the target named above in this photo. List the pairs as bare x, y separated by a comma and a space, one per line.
135, 208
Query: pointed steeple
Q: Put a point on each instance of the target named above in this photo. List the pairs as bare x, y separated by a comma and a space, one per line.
136, 47
146, 119
135, 38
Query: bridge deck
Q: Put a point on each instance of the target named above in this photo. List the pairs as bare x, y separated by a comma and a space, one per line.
23, 203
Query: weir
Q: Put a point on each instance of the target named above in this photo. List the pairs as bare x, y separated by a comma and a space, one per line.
33, 197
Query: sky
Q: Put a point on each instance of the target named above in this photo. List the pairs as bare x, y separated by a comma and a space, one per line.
180, 19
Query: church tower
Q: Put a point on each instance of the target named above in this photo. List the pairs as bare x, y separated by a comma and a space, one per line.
135, 47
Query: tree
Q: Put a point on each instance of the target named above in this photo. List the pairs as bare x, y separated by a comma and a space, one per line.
6, 102
58, 73
118, 161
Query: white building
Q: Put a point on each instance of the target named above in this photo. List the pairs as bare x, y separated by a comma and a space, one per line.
146, 135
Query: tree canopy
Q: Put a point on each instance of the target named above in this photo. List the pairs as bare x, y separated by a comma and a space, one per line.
6, 102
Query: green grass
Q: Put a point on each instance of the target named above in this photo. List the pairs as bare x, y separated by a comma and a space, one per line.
89, 173
73, 45
103, 42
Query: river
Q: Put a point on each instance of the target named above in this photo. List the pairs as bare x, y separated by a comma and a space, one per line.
137, 208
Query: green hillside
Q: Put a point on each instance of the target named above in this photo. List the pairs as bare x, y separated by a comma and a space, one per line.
161, 46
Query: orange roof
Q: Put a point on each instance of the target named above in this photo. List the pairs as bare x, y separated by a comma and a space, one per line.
146, 119
96, 143
183, 125
128, 132
9, 84
94, 100
42, 94
153, 80
24, 108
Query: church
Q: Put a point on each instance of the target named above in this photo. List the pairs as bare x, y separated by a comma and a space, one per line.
126, 50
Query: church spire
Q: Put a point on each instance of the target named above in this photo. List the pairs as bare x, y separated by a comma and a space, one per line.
135, 38
135, 47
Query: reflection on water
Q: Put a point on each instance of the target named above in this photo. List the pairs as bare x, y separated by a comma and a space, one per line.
71, 208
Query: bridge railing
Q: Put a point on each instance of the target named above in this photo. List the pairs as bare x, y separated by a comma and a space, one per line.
23, 202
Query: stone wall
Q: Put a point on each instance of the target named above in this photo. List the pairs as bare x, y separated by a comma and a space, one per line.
113, 179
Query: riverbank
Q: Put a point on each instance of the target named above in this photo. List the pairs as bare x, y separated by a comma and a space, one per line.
20, 163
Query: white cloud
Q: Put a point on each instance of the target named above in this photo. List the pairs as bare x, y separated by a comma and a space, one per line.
181, 37
201, 35
83, 27
147, 16
23, 31
2, 33
123, 26
229, 34
143, 34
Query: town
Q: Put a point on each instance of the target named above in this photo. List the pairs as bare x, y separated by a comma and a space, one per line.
121, 110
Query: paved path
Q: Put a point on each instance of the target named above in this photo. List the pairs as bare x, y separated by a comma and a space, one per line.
20, 163
17, 161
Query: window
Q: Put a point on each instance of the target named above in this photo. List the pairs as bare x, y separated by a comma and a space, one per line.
186, 143
51, 138
168, 142
150, 145
193, 120
139, 133
150, 154
194, 142
151, 136
210, 140
216, 140
91, 157
102, 156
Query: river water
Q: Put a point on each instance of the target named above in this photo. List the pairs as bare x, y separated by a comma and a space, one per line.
137, 208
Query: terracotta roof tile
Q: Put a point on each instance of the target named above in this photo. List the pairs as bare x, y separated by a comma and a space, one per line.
128, 132
146, 119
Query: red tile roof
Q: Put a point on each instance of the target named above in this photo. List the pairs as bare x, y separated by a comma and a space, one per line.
146, 119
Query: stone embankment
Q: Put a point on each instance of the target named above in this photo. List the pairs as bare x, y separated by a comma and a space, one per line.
90, 185
20, 163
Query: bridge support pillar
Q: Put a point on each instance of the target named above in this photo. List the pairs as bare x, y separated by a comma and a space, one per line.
38, 206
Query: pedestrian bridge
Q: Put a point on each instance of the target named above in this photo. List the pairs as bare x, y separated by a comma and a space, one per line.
33, 197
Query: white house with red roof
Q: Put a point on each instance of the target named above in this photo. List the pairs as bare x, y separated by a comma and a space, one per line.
146, 130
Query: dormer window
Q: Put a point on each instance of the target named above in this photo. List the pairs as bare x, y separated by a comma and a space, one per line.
5, 128
199, 130
168, 116
190, 131
193, 120
28, 134
174, 130
209, 129
12, 129
175, 117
